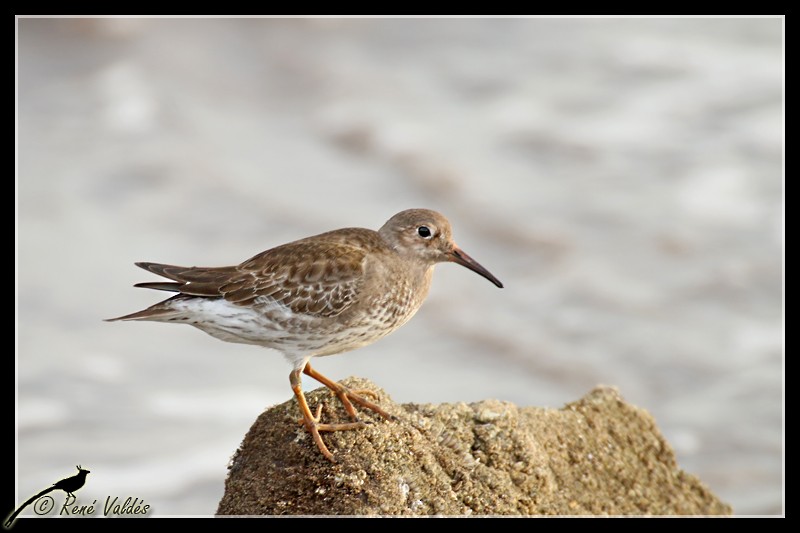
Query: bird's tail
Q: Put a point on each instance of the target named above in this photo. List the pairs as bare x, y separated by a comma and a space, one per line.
160, 312
32, 499
186, 281
147, 314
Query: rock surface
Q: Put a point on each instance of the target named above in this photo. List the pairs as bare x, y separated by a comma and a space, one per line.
598, 455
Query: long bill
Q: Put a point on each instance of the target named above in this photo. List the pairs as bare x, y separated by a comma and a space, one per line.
459, 256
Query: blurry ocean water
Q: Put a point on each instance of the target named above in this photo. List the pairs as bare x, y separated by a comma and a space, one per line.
622, 177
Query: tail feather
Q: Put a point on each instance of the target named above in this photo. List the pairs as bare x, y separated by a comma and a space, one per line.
161, 286
188, 274
204, 282
196, 281
167, 271
147, 314
159, 312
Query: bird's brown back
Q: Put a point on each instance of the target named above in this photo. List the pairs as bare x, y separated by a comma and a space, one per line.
319, 276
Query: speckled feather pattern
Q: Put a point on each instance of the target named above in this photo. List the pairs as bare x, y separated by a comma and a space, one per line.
321, 295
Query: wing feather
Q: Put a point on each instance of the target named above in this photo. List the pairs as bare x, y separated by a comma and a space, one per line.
317, 278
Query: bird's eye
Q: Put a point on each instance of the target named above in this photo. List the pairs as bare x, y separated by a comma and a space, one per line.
424, 232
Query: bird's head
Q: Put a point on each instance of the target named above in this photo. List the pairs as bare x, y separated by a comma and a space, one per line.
425, 236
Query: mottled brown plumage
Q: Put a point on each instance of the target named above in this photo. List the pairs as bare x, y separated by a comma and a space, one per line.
322, 295
319, 276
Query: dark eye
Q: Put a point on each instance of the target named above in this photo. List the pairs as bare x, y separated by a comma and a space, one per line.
424, 232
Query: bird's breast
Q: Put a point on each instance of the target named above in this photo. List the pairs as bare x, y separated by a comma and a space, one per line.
396, 300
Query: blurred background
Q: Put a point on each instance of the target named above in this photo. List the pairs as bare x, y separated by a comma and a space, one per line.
622, 177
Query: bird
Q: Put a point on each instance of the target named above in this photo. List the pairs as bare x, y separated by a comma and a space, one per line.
68, 485
318, 296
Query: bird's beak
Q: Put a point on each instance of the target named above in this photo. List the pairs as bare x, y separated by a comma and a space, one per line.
457, 255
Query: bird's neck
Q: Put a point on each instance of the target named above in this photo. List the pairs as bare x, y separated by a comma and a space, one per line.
422, 280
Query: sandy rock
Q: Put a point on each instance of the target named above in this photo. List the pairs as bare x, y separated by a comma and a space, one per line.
598, 455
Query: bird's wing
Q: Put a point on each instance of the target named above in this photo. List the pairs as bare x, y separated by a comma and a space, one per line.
318, 279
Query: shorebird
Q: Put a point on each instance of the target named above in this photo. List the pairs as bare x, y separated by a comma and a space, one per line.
322, 295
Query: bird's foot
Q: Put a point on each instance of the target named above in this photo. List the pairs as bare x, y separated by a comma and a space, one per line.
365, 392
347, 396
315, 420
314, 427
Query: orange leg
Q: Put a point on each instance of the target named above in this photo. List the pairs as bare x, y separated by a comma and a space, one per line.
345, 395
312, 423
